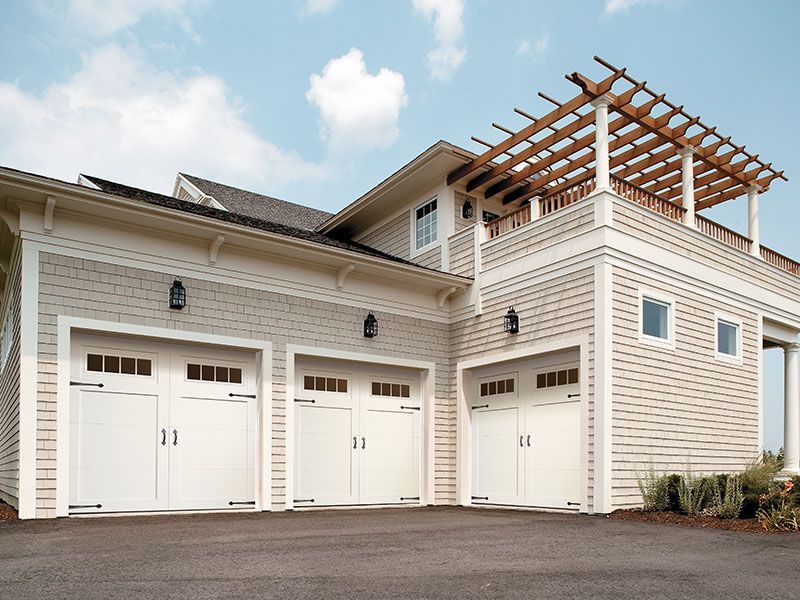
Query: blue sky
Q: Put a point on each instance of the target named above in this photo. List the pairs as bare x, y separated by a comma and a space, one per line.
315, 101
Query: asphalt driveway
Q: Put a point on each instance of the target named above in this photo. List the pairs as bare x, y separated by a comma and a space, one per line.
431, 553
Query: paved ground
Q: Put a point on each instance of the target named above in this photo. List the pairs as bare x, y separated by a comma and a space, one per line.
454, 553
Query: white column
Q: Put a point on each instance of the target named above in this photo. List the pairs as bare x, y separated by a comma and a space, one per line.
791, 410
687, 184
752, 220
602, 168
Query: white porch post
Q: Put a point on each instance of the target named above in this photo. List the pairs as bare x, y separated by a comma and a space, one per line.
791, 410
687, 184
752, 220
602, 168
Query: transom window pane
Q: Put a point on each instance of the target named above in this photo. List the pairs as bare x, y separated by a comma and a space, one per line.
655, 319
426, 224
727, 338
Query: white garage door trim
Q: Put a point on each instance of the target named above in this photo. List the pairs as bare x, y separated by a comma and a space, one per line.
427, 399
546, 353
69, 325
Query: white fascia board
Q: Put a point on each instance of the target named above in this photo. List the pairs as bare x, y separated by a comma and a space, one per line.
129, 212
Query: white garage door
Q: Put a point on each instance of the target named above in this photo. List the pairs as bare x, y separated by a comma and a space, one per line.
526, 442
357, 435
160, 427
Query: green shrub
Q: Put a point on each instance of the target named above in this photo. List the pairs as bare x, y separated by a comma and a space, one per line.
757, 480
777, 510
692, 492
654, 489
730, 506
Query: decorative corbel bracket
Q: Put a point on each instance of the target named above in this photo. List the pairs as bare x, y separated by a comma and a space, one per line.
213, 250
342, 274
49, 209
442, 296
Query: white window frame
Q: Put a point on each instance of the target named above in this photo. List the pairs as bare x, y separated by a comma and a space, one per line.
736, 322
417, 250
658, 298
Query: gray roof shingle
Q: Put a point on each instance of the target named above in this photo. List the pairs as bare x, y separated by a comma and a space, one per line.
259, 206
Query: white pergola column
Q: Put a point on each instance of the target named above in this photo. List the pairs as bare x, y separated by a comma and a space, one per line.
687, 184
602, 167
791, 410
752, 220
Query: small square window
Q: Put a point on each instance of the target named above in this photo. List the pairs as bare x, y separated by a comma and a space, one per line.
144, 367
222, 374
551, 379
386, 389
376, 388
509, 386
492, 388
193, 372
484, 389
111, 364
395, 390
572, 376
234, 375
94, 362
655, 319
501, 386
727, 338
331, 384
341, 386
562, 378
405, 391
308, 382
128, 365
320, 384
541, 380
207, 373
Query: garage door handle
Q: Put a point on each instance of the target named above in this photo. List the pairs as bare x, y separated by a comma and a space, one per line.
82, 384
529, 441
363, 443
174, 437
163, 437
355, 442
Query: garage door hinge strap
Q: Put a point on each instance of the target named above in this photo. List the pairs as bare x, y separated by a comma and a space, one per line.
86, 506
572, 395
482, 406
234, 503
303, 500
86, 384
232, 395
409, 408
301, 400
480, 497
403, 498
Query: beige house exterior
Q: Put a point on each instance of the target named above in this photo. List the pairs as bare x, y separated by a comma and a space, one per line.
592, 397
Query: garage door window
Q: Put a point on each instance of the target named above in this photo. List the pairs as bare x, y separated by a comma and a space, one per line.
556, 378
125, 365
213, 373
315, 383
391, 390
500, 386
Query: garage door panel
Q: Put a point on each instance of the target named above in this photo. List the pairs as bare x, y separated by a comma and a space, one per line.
324, 454
390, 463
496, 456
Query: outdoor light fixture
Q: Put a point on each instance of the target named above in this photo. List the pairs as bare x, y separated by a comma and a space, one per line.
177, 294
466, 210
370, 326
511, 321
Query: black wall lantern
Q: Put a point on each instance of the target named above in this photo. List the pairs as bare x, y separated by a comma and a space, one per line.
177, 295
466, 210
511, 321
370, 326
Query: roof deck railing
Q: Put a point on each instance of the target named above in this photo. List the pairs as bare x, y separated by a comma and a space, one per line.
555, 201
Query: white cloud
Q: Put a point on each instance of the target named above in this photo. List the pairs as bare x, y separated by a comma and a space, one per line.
537, 49
448, 28
314, 7
106, 17
119, 117
358, 111
613, 7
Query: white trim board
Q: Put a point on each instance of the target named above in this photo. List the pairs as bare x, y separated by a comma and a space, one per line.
67, 325
28, 380
428, 400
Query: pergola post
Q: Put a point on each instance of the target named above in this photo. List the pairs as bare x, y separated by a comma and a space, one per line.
791, 411
752, 220
602, 166
687, 184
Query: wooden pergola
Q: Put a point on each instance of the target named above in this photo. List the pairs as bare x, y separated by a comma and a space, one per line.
650, 143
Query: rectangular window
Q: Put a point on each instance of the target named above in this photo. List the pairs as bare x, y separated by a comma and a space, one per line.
325, 384
557, 378
426, 227
391, 390
215, 373
499, 386
656, 319
728, 334
489, 216
125, 365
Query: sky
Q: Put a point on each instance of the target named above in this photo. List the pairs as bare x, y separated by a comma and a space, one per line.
316, 101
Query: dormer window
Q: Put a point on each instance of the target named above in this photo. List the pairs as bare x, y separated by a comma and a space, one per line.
426, 226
